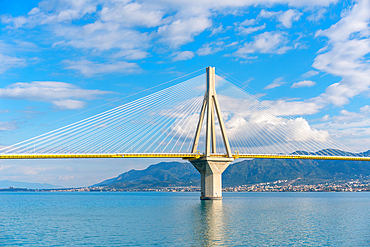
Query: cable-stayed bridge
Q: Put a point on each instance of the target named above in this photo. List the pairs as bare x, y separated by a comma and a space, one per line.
191, 121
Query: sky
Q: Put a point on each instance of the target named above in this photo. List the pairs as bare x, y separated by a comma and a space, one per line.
60, 61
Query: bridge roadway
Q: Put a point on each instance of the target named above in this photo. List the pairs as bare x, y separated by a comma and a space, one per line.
186, 156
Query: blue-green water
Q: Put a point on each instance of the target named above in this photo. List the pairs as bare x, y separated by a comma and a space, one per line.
181, 219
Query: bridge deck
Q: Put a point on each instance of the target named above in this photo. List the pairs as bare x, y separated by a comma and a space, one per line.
179, 155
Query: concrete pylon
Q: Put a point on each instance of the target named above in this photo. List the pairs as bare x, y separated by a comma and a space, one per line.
210, 166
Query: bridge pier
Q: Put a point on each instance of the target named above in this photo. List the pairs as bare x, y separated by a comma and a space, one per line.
211, 169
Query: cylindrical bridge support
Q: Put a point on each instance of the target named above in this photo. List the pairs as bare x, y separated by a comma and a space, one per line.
211, 169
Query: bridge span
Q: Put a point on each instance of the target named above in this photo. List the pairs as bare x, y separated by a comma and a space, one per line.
183, 119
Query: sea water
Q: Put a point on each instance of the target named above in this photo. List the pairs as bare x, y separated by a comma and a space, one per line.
181, 219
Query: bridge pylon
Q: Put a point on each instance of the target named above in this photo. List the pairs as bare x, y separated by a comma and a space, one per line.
209, 166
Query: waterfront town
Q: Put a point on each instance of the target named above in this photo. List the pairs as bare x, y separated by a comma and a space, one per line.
355, 185
276, 186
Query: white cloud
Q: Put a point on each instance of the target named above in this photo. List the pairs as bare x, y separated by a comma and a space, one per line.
129, 29
267, 14
317, 16
217, 30
285, 17
133, 14
267, 42
351, 117
89, 68
180, 32
62, 95
351, 128
276, 83
325, 118
249, 30
131, 54
348, 117
8, 125
304, 83
288, 17
212, 47
264, 125
69, 104
185, 55
310, 73
7, 62
354, 21
253, 126
102, 37
345, 55
295, 108
248, 22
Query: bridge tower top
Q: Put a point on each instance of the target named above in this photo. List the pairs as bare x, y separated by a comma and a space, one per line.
211, 105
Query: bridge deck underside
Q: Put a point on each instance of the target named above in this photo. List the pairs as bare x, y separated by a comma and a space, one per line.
178, 155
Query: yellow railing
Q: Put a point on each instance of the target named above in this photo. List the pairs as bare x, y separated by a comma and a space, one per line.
177, 155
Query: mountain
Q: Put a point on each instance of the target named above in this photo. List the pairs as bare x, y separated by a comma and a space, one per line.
333, 152
309, 171
167, 174
163, 174
7, 184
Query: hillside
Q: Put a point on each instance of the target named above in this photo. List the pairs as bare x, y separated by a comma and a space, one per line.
167, 174
309, 171
163, 174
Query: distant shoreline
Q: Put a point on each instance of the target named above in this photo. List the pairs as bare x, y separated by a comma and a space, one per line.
166, 190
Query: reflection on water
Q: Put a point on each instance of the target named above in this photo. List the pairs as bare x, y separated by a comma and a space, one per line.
210, 223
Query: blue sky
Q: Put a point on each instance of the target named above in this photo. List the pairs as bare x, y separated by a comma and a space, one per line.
59, 59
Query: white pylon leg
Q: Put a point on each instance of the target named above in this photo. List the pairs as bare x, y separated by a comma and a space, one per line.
211, 168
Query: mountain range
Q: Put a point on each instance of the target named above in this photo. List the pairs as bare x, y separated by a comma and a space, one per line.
7, 184
245, 172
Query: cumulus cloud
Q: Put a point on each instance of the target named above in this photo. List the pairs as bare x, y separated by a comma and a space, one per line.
351, 117
317, 16
212, 47
118, 24
267, 42
133, 14
325, 118
352, 128
248, 22
102, 37
217, 30
185, 55
276, 83
345, 55
69, 104
62, 95
7, 62
8, 125
310, 73
133, 54
89, 68
248, 30
254, 126
268, 129
267, 14
304, 83
285, 17
181, 32
288, 17
295, 107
